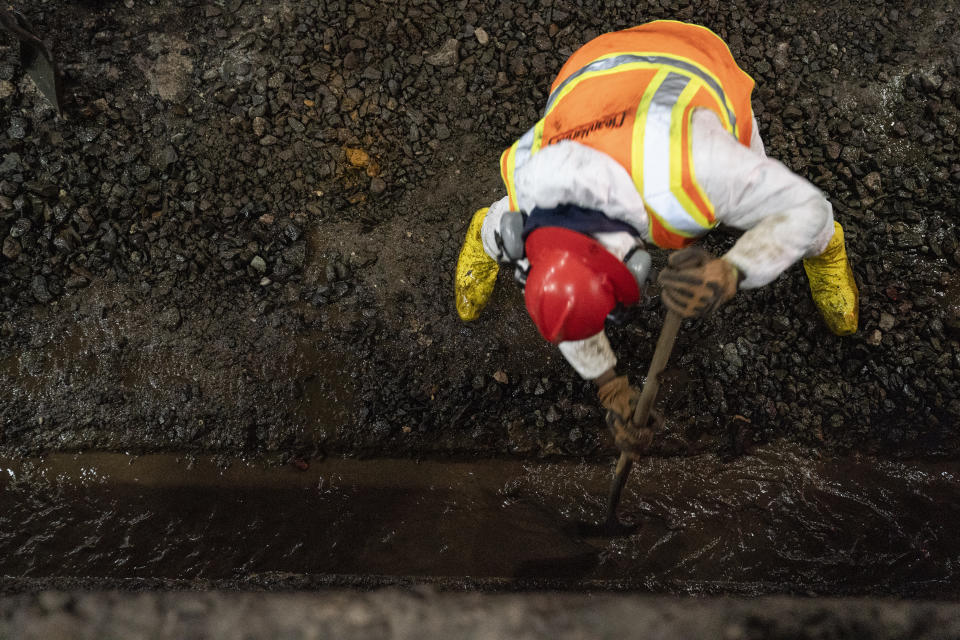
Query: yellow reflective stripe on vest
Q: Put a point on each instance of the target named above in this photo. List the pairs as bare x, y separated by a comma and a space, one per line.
680, 156
617, 62
508, 163
660, 182
537, 137
693, 174
518, 155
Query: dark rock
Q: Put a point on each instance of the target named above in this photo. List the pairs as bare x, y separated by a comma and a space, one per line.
169, 156
351, 61
552, 414
295, 255
909, 239
141, 173
76, 281
11, 162
732, 357
11, 248
67, 239
292, 231
872, 182
259, 126
39, 290
542, 42
20, 227
447, 56
295, 125
169, 318
17, 129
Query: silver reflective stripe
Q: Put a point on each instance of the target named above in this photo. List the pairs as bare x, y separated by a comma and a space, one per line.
524, 149
670, 89
606, 64
657, 193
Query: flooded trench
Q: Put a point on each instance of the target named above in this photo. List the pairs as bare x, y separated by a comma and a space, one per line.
780, 520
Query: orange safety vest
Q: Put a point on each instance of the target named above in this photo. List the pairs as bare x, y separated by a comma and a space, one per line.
631, 95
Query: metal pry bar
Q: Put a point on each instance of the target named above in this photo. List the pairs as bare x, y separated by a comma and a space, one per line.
35, 57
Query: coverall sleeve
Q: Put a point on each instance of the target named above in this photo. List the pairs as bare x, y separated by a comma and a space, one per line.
785, 217
591, 356
491, 224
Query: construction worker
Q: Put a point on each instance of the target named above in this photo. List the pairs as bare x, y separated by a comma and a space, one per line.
647, 138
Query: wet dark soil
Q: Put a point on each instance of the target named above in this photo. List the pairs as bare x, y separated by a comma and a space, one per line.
774, 522
241, 237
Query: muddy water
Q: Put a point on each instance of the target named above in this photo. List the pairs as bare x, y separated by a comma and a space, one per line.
776, 521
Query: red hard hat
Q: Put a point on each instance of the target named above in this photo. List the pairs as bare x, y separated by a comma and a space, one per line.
573, 283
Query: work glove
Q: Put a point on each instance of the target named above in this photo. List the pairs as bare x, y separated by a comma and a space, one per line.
620, 400
695, 283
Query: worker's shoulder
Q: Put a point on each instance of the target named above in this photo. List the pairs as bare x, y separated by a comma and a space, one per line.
706, 120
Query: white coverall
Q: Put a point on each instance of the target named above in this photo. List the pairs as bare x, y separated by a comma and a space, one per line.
784, 216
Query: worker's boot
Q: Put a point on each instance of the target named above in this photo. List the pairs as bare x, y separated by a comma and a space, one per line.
832, 286
476, 272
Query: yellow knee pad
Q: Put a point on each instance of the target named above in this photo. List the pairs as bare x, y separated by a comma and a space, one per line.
832, 285
476, 272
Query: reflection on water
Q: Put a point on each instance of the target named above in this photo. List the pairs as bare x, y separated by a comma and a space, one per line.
771, 522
